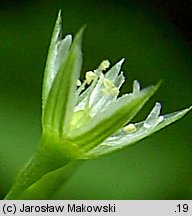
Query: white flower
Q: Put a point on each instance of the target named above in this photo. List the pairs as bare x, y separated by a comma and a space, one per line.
93, 119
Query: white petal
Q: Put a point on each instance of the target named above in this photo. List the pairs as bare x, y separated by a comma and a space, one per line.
153, 118
114, 71
136, 87
123, 139
104, 91
62, 51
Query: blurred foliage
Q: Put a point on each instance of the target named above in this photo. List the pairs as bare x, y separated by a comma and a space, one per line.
158, 167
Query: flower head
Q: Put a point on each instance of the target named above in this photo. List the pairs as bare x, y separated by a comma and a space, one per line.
90, 116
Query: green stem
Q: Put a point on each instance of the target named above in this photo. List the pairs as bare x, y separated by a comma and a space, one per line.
50, 167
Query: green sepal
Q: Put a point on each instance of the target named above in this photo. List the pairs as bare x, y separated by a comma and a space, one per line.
51, 58
111, 119
122, 140
61, 101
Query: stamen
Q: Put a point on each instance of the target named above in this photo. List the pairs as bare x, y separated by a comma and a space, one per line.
104, 65
109, 88
114, 91
107, 83
130, 128
78, 83
90, 76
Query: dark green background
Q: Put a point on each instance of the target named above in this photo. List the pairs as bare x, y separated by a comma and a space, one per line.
159, 167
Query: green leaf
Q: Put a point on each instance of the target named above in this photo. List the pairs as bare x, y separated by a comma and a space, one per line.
111, 119
51, 158
49, 184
